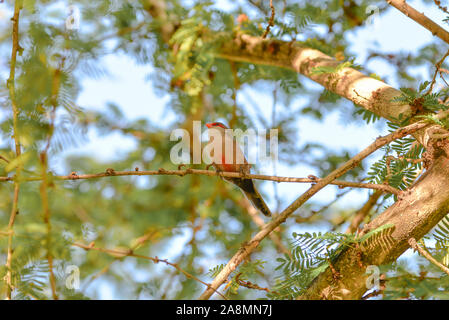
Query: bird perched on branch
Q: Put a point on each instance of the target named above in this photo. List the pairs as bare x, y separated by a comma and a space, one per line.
222, 160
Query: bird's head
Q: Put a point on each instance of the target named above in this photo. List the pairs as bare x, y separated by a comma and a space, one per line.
216, 125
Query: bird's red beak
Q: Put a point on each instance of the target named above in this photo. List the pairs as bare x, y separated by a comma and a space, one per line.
209, 125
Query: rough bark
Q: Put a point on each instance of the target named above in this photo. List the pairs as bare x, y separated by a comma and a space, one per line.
371, 94
413, 216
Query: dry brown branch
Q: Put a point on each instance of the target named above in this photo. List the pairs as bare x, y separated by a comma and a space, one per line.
249, 247
363, 212
112, 173
248, 284
271, 21
4, 159
420, 18
427, 255
15, 113
258, 220
437, 70
372, 294
120, 253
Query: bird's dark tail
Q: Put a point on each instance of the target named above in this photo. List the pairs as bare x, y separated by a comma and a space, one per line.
250, 191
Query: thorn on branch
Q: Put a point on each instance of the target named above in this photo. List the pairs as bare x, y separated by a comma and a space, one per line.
74, 175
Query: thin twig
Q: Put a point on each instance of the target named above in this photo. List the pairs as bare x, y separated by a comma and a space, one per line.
427, 255
363, 212
112, 173
129, 253
122, 31
274, 163
270, 22
437, 69
248, 284
4, 159
257, 219
15, 114
438, 3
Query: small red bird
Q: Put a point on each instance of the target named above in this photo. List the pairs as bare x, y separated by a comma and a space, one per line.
238, 163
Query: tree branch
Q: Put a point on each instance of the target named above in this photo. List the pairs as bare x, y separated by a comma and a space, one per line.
120, 253
420, 18
363, 212
112, 173
415, 213
250, 246
270, 22
437, 69
367, 92
425, 254
15, 113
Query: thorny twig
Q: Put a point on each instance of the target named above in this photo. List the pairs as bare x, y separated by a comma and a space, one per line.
270, 22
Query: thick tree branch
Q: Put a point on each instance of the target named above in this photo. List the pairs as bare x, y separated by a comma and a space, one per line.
420, 18
413, 215
256, 217
437, 70
367, 92
363, 212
